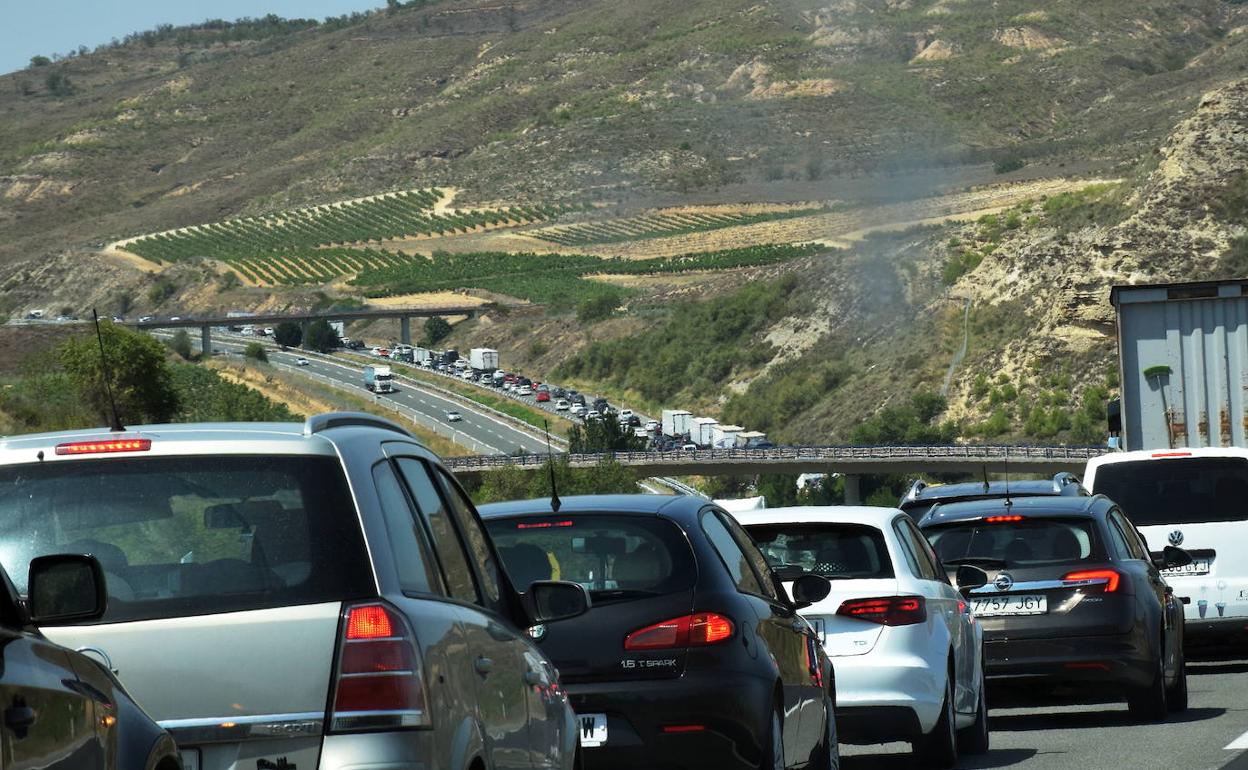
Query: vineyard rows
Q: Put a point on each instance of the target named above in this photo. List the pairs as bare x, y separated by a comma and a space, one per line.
658, 226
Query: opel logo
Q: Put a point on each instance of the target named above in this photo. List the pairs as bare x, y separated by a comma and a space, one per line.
1004, 582
1176, 538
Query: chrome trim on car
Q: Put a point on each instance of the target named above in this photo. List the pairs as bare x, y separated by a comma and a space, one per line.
245, 728
1039, 585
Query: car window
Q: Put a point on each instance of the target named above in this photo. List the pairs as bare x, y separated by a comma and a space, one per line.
1017, 543
451, 552
1134, 546
1117, 541
405, 535
907, 549
1177, 490
731, 554
478, 542
762, 570
834, 550
929, 562
180, 536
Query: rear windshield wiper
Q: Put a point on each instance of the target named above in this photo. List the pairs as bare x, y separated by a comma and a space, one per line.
987, 561
621, 593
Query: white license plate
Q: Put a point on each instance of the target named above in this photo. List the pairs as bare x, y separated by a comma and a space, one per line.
593, 729
190, 759
1019, 604
1197, 567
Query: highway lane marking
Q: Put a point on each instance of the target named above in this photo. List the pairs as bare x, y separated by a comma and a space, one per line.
1239, 744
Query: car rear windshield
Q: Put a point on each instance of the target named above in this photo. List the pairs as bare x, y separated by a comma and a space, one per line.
1022, 543
194, 535
837, 551
614, 557
1177, 490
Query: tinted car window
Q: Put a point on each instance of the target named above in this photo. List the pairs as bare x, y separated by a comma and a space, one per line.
844, 551
929, 563
191, 535
1016, 543
1177, 491
1135, 548
762, 569
613, 557
451, 553
728, 550
406, 542
474, 534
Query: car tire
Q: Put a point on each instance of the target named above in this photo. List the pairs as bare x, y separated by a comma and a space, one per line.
975, 739
827, 754
773, 747
1176, 694
1148, 703
939, 748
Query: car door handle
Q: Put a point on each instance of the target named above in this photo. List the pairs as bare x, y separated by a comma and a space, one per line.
483, 665
19, 717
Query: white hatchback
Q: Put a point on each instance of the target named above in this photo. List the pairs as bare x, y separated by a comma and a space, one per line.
907, 651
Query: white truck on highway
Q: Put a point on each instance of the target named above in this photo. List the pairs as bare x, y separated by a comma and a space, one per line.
676, 422
379, 379
483, 359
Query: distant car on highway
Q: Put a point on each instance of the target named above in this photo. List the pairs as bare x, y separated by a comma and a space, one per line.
562, 405
907, 650
542, 396
577, 409
692, 655
1074, 596
323, 594
454, 416
301, 361
524, 390
175, 318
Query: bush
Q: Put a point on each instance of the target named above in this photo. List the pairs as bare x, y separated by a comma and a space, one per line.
141, 381
322, 337
905, 425
40, 61
1006, 165
511, 483
207, 397
597, 308
288, 334
437, 329
181, 344
256, 351
161, 290
604, 435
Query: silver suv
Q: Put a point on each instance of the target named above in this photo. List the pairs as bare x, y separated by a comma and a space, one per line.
290, 596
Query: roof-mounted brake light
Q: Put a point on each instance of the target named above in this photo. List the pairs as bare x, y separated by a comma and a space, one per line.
1002, 519
104, 447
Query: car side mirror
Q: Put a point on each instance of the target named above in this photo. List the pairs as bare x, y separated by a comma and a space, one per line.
809, 589
551, 600
66, 588
969, 576
1171, 558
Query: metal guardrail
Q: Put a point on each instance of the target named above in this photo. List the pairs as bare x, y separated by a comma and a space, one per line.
830, 454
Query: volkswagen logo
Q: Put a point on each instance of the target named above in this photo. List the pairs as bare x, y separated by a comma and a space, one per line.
1176, 538
1004, 582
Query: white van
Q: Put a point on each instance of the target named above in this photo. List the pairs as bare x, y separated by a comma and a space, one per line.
1197, 500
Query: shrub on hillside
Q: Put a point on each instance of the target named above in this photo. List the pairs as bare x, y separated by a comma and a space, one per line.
255, 350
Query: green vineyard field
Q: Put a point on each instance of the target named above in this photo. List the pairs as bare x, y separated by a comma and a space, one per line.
658, 226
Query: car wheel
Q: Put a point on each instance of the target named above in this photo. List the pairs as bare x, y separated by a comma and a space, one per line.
1176, 694
1148, 703
773, 758
827, 754
974, 739
939, 748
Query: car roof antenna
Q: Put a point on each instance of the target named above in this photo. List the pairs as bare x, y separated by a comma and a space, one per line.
1008, 501
986, 486
117, 427
555, 503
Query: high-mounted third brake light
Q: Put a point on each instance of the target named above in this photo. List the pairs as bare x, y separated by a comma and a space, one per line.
104, 447
1110, 577
886, 610
543, 524
698, 630
1002, 519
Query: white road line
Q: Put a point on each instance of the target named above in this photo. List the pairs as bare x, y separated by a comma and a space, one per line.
1239, 744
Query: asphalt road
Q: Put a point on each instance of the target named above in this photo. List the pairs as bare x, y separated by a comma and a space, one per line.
1052, 733
488, 434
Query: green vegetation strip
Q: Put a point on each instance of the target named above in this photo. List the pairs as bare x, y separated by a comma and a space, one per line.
660, 226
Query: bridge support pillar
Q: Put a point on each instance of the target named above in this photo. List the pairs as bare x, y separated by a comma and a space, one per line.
853, 492
405, 330
205, 339
304, 326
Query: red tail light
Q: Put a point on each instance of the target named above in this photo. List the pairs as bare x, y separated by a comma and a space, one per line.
886, 610
1108, 575
379, 683
698, 630
1002, 519
104, 447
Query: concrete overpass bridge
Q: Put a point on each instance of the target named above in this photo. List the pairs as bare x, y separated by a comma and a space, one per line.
404, 314
850, 461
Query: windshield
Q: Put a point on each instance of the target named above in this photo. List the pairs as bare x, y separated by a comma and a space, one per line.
1177, 491
837, 551
191, 535
611, 556
1015, 543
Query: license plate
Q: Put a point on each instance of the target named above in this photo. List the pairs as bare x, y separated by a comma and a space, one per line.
1197, 567
1020, 604
593, 730
190, 759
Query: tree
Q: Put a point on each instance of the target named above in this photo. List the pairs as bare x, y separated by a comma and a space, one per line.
322, 337
255, 350
181, 344
603, 435
436, 329
40, 61
392, 6
288, 334
58, 84
141, 380
597, 308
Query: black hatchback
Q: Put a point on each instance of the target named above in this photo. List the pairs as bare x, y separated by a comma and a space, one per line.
692, 655
1073, 596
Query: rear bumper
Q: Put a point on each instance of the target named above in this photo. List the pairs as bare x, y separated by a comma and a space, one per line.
882, 697
399, 750
735, 709
1119, 659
